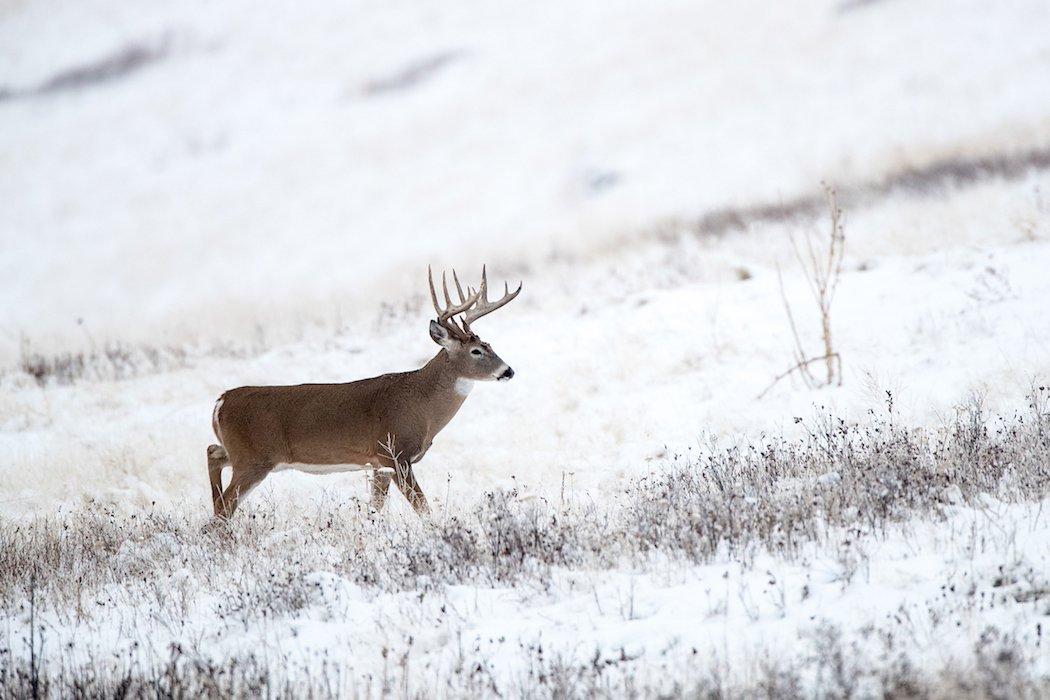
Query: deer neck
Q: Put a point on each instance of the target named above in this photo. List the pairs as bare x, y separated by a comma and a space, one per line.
443, 389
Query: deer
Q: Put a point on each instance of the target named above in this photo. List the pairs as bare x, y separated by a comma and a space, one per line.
385, 423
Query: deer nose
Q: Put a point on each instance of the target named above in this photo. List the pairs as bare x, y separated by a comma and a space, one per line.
507, 374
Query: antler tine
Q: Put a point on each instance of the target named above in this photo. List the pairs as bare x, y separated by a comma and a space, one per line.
459, 289
444, 288
433, 292
484, 306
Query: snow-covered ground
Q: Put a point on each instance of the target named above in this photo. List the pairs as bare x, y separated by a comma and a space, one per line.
256, 198
932, 595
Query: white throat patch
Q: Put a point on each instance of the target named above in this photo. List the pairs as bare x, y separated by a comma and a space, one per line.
463, 386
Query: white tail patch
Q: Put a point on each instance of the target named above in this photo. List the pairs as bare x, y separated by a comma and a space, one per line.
215, 417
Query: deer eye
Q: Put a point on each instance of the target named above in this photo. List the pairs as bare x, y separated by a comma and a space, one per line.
476, 351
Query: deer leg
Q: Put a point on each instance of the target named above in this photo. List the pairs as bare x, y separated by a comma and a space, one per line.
245, 478
380, 487
406, 482
217, 459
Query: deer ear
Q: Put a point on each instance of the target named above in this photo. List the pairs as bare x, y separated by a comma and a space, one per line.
440, 335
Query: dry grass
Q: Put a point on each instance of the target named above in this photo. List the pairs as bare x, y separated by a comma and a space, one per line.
934, 178
114, 361
116, 65
413, 74
995, 668
773, 496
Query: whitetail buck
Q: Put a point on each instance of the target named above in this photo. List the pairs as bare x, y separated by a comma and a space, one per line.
387, 423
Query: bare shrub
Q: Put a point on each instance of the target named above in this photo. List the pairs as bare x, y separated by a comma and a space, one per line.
821, 262
113, 361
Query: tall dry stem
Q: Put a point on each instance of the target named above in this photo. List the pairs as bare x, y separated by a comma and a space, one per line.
820, 258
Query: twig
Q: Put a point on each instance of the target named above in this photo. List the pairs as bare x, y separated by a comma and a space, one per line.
801, 367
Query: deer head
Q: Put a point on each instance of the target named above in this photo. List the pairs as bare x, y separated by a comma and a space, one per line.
470, 356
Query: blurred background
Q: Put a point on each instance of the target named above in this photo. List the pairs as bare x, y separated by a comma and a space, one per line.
174, 172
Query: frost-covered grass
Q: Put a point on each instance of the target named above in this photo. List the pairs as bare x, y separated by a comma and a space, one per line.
163, 601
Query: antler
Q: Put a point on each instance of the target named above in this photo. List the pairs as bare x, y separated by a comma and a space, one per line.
445, 314
472, 305
484, 306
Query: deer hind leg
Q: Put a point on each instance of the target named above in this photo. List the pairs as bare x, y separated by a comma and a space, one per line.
217, 459
380, 487
245, 478
406, 482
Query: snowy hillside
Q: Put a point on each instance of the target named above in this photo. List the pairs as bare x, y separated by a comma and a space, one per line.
198, 196
300, 164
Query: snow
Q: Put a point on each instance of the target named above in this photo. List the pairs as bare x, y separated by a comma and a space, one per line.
266, 195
